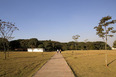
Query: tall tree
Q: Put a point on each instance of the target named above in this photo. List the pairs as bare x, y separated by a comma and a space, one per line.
104, 31
6, 31
75, 37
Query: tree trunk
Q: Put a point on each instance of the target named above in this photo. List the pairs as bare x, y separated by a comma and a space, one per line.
8, 52
7, 49
106, 39
4, 51
106, 61
4, 48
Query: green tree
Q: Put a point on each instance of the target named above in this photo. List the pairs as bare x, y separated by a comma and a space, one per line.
48, 45
40, 46
6, 42
33, 43
104, 31
81, 46
15, 44
89, 46
64, 46
99, 45
6, 31
24, 44
71, 45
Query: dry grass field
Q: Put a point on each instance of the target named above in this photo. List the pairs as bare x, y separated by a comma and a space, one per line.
91, 63
22, 64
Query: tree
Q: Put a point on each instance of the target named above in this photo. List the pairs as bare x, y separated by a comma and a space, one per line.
64, 46
104, 31
81, 46
75, 38
6, 42
6, 31
114, 44
48, 45
71, 45
33, 43
99, 45
40, 46
89, 46
15, 44
24, 44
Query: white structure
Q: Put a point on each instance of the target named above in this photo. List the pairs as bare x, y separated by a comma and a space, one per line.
113, 48
35, 50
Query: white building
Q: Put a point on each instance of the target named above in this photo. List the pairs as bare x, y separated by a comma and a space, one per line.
113, 48
35, 50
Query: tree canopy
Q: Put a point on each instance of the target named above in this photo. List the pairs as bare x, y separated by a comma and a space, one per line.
23, 44
103, 31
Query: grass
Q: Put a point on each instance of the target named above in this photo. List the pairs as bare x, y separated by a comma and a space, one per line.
91, 63
22, 64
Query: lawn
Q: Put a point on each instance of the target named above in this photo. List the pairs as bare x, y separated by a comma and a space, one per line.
23, 64
91, 63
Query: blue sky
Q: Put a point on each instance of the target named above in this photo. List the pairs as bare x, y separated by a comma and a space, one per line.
57, 20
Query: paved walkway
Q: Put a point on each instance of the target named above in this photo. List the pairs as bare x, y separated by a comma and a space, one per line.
55, 67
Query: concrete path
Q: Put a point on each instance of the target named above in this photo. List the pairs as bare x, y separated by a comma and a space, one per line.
55, 67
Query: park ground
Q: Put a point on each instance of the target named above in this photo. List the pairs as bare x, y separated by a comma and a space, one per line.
22, 64
83, 63
91, 63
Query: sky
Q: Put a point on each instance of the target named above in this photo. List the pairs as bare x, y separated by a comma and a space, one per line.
57, 20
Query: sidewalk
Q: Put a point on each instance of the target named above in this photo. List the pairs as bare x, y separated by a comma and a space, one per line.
55, 67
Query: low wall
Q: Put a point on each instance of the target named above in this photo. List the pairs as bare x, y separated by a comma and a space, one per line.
35, 50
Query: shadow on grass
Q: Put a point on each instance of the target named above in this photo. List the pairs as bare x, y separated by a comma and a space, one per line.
111, 62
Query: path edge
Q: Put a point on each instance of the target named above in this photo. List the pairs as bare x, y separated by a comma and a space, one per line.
70, 67
41, 66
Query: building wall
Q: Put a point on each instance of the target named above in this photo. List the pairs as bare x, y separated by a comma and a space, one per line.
35, 50
113, 48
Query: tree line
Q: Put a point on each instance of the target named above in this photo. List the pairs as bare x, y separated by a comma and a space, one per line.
48, 45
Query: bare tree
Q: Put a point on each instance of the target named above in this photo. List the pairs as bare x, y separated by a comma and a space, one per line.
104, 31
6, 31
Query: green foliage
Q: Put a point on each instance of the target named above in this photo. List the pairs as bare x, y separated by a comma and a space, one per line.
81, 46
5, 42
40, 46
103, 30
64, 46
33, 43
23, 44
